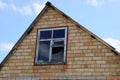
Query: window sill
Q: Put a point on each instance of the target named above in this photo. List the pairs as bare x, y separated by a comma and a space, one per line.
50, 63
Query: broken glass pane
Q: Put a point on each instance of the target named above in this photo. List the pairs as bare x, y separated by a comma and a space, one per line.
58, 54
44, 49
59, 33
45, 34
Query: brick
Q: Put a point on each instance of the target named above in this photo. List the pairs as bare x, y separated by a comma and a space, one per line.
84, 47
110, 78
85, 65
100, 62
97, 58
90, 54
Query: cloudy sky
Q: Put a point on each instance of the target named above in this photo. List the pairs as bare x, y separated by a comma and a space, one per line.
102, 17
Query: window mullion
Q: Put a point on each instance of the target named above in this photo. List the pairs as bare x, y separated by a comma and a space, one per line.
65, 44
37, 46
50, 53
51, 42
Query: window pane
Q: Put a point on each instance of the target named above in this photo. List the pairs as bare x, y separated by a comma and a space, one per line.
58, 54
44, 50
59, 33
45, 34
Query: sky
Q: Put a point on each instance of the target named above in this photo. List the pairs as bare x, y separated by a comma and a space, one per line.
102, 17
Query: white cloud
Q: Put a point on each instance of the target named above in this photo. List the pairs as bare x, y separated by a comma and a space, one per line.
25, 10
95, 3
37, 7
14, 7
114, 42
6, 46
3, 5
32, 8
98, 3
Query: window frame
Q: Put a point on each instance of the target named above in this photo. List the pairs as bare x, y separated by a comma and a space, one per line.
37, 62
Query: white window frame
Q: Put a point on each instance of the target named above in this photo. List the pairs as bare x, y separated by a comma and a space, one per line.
51, 42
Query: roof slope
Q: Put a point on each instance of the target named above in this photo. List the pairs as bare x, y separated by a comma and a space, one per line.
48, 4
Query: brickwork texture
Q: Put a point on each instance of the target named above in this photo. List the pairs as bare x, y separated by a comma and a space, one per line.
87, 58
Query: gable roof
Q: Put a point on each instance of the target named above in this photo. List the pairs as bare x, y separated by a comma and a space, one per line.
48, 4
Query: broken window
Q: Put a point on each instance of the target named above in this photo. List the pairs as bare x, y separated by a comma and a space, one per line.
51, 45
58, 51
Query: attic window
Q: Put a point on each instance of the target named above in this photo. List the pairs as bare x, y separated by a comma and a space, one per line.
51, 46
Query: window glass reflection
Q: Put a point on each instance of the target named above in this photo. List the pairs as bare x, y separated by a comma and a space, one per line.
44, 50
45, 34
59, 33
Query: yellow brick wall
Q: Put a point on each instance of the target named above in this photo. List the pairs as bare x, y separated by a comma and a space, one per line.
87, 58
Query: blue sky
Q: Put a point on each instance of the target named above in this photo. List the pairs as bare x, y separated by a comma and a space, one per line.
102, 17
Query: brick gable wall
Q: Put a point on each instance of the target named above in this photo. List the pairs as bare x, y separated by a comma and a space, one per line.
87, 58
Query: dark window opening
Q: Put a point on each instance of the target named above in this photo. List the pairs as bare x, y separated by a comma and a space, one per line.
57, 54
